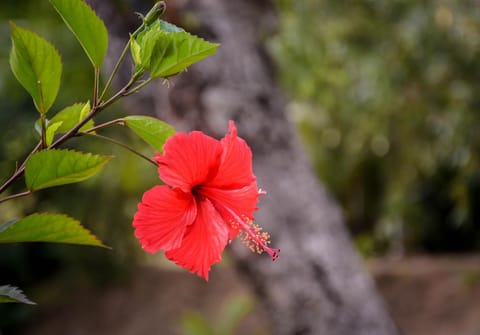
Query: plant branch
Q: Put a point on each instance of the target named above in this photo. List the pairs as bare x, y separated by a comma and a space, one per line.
111, 140
104, 125
95, 109
19, 171
17, 195
119, 61
115, 70
123, 92
98, 105
96, 81
72, 132
139, 87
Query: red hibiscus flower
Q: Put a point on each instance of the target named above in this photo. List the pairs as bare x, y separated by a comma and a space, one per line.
209, 198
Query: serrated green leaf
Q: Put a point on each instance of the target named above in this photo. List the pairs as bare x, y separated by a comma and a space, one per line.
59, 167
169, 27
47, 227
87, 27
70, 116
174, 52
165, 49
37, 66
141, 47
13, 294
151, 130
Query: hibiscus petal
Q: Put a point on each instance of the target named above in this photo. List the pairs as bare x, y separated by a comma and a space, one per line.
189, 160
233, 232
242, 201
203, 243
235, 169
162, 218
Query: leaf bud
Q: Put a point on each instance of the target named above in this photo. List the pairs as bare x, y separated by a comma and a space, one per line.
157, 10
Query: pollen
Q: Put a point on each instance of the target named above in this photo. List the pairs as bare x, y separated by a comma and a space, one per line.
257, 239
253, 236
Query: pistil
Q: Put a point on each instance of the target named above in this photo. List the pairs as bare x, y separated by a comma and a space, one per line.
254, 237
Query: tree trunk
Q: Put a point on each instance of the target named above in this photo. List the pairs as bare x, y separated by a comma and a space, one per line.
318, 285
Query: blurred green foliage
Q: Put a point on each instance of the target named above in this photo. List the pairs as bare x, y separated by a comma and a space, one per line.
234, 310
386, 97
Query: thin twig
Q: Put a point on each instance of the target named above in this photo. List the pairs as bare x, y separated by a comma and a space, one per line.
122, 145
119, 62
19, 172
139, 87
114, 71
96, 81
123, 92
104, 125
17, 195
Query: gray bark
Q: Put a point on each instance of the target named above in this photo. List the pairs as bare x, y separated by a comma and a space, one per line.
318, 285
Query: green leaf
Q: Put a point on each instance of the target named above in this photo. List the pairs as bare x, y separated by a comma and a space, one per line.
169, 27
174, 52
137, 53
70, 116
151, 130
37, 66
165, 49
51, 130
142, 46
7, 224
87, 27
47, 227
59, 167
13, 294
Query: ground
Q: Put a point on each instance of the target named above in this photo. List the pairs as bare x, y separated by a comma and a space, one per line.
425, 295
432, 295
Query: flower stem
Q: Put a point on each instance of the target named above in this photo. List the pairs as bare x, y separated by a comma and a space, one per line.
104, 125
139, 86
111, 140
119, 61
115, 70
123, 92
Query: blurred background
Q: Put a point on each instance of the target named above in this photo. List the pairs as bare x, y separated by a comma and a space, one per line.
384, 95
385, 98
